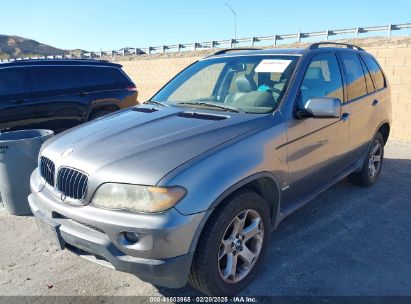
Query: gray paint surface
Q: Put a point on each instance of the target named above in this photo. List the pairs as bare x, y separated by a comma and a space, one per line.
348, 241
208, 157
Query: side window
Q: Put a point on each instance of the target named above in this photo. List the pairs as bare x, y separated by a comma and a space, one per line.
13, 81
376, 73
368, 80
356, 83
120, 77
52, 78
97, 77
322, 79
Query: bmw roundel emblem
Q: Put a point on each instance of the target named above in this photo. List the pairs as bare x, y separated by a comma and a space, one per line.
63, 196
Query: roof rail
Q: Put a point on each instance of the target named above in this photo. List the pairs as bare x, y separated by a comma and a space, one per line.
53, 59
224, 51
316, 45
44, 61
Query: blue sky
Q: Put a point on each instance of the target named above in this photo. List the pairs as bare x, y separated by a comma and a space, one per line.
104, 24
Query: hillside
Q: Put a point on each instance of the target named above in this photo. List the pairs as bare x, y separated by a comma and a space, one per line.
14, 46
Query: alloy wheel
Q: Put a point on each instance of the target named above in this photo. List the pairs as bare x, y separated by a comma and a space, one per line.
240, 246
375, 159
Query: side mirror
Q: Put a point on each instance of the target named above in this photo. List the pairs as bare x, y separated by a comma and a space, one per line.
324, 107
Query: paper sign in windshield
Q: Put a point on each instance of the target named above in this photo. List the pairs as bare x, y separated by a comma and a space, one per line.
272, 66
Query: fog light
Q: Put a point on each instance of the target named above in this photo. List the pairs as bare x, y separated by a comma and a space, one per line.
132, 237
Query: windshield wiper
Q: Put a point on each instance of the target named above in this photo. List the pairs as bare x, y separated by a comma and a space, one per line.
211, 105
157, 103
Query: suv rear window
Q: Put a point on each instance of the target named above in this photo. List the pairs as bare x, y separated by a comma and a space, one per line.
102, 76
97, 75
354, 75
13, 81
376, 73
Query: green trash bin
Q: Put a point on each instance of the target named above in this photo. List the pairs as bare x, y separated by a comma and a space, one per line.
18, 158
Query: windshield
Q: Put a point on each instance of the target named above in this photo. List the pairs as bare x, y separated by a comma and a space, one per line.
251, 84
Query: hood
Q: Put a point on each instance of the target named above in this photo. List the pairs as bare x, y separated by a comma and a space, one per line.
142, 144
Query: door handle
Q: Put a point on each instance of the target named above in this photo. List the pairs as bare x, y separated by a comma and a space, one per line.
345, 116
82, 93
375, 102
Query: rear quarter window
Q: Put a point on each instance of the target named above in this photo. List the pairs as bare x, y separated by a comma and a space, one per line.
376, 73
368, 79
121, 77
98, 77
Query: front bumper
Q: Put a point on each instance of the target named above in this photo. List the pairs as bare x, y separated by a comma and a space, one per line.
166, 251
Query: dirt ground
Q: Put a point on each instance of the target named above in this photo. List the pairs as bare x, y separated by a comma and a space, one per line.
348, 241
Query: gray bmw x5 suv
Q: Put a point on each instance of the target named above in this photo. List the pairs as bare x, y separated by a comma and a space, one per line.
188, 186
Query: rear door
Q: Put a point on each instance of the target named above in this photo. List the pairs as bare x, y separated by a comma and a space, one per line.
14, 99
56, 101
317, 146
365, 109
381, 96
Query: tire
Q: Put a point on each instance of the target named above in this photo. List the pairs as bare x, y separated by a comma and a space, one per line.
98, 114
209, 270
368, 176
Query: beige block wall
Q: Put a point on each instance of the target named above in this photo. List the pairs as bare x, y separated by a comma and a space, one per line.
151, 75
394, 55
396, 63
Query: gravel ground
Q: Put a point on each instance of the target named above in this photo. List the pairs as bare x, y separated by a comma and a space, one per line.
348, 241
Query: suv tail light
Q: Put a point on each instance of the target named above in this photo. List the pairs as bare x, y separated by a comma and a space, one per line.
132, 88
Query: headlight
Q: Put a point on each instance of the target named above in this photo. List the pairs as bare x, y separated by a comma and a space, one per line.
137, 198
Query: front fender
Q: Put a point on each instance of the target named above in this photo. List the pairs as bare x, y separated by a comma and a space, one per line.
213, 176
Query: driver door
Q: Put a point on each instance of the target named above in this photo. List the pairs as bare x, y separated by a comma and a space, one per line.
316, 146
15, 110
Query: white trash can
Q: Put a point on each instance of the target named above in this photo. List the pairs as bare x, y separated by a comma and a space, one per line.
18, 158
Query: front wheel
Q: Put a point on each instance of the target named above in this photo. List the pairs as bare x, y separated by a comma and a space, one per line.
371, 169
232, 245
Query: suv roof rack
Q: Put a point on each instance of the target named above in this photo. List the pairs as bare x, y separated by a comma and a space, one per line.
57, 59
316, 45
224, 51
61, 61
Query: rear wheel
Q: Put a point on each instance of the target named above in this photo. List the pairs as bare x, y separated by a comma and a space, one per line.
371, 169
232, 246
